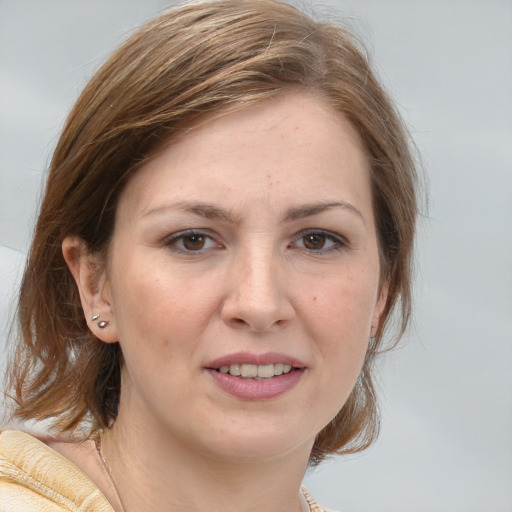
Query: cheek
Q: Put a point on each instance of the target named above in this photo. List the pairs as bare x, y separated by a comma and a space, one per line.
338, 313
341, 303
148, 290
160, 315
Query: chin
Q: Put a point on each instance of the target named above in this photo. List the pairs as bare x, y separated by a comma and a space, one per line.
261, 450
261, 440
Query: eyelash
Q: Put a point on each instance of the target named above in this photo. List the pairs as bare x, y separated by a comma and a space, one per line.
175, 238
338, 242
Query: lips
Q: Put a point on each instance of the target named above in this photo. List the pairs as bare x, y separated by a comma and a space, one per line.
250, 358
256, 376
255, 371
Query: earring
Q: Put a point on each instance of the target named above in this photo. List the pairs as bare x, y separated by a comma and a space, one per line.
101, 324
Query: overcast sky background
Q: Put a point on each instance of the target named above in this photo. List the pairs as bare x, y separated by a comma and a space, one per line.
446, 441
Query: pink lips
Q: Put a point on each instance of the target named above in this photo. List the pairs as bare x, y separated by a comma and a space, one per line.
248, 389
250, 358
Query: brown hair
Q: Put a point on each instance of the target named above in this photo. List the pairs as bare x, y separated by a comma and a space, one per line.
199, 60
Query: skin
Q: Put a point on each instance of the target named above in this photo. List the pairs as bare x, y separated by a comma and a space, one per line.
270, 274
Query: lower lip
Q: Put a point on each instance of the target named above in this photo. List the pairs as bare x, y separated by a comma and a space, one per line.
248, 389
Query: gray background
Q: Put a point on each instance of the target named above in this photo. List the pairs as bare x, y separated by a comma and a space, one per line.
446, 442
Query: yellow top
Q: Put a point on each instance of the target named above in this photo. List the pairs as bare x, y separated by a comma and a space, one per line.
34, 477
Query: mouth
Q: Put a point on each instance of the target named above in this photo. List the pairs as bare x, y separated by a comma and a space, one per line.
255, 377
256, 371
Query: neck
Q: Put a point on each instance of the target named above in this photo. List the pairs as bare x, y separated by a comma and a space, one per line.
159, 473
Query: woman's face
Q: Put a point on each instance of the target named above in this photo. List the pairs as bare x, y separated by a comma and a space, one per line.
248, 247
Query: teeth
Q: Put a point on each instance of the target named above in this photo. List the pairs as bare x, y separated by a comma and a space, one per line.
266, 371
252, 371
249, 371
234, 369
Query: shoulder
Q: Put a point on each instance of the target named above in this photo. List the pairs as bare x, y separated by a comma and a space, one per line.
33, 476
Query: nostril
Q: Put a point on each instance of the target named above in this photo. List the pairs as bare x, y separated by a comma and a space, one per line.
238, 321
258, 315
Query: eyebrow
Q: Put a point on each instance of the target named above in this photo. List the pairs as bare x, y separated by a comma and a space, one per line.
206, 210
309, 210
210, 211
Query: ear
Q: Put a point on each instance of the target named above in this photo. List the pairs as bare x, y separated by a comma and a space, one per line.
379, 308
89, 271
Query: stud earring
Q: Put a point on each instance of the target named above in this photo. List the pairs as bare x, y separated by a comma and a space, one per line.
101, 324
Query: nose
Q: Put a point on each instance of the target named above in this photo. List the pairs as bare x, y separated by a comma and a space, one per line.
257, 298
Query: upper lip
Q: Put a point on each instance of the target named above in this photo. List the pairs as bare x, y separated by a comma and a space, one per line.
257, 359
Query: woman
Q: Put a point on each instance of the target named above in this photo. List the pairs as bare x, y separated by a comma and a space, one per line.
227, 226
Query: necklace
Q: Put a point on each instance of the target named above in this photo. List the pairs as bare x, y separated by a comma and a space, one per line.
107, 469
310, 504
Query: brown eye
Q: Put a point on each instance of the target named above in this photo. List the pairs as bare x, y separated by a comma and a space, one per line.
314, 241
193, 242
319, 242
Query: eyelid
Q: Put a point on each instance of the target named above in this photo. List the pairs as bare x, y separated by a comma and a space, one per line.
171, 241
340, 242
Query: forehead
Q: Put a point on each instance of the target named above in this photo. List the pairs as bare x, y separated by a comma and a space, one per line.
276, 150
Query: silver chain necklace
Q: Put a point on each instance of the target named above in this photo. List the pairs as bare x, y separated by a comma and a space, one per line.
108, 470
113, 481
